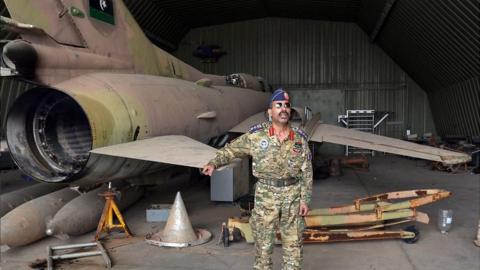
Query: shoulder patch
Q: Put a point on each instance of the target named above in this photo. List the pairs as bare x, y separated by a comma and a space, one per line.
302, 133
255, 128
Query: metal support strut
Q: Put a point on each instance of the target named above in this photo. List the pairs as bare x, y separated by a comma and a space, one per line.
106, 221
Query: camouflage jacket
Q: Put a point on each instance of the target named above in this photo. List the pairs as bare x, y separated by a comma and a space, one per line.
272, 159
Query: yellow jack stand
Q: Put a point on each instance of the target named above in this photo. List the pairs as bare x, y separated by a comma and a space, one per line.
106, 221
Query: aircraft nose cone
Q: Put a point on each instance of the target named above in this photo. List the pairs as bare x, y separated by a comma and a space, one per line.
20, 56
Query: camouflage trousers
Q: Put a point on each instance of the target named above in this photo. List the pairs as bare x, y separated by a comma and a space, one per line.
277, 207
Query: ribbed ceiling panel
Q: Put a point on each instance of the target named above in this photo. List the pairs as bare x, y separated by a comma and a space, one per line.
339, 10
210, 12
200, 13
436, 42
160, 26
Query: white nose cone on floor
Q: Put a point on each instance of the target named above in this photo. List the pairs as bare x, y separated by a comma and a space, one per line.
178, 232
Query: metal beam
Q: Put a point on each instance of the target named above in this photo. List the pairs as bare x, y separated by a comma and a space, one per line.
167, 45
381, 19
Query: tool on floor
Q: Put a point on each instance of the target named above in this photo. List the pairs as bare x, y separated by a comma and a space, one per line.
109, 211
52, 257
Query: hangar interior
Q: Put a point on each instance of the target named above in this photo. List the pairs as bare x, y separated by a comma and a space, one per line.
417, 61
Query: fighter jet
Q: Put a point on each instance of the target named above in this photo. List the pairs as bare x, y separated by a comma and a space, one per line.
108, 104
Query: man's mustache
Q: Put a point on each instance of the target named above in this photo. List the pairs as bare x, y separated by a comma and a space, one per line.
286, 113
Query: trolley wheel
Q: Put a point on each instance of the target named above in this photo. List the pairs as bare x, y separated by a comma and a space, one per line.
454, 168
414, 230
225, 236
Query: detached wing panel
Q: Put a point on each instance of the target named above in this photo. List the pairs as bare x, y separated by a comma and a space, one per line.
173, 149
339, 135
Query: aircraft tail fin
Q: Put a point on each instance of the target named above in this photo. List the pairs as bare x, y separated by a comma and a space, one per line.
54, 19
96, 27
105, 28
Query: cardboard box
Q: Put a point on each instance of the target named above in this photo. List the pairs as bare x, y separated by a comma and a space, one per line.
158, 212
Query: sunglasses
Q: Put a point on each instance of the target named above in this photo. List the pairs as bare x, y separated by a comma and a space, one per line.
279, 105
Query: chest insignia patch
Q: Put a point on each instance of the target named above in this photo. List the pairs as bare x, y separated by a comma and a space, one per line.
263, 144
297, 147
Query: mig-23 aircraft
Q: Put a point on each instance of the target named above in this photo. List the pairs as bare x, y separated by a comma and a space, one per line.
108, 104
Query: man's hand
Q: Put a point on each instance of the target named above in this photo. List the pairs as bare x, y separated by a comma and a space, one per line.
208, 169
303, 210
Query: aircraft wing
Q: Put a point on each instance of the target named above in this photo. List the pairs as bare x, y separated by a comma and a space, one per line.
250, 121
320, 132
261, 117
171, 149
340, 135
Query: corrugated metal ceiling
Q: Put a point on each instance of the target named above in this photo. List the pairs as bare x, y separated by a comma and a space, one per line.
167, 21
437, 42
202, 13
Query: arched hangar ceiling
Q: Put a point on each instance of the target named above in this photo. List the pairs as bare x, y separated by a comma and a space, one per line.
437, 42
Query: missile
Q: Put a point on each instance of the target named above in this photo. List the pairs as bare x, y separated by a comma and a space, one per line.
76, 217
15, 198
82, 214
11, 180
27, 223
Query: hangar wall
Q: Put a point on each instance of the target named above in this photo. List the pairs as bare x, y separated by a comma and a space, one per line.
328, 66
458, 108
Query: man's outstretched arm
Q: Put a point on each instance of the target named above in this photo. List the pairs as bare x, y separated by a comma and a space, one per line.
238, 148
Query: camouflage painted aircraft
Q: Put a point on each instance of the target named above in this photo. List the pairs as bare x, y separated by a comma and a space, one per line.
108, 104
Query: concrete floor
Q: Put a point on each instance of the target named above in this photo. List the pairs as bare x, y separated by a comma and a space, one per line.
454, 250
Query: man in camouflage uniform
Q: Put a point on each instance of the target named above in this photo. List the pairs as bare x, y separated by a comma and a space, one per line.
281, 161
